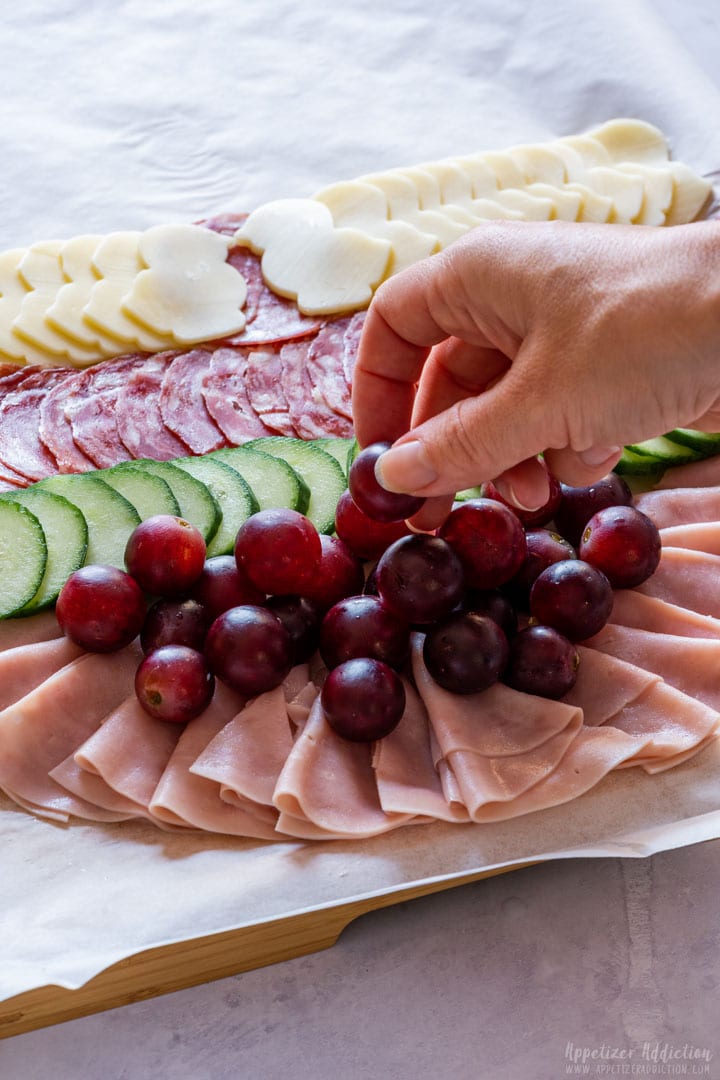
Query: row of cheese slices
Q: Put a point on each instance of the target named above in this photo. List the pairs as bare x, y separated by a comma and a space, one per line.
329, 253
82, 300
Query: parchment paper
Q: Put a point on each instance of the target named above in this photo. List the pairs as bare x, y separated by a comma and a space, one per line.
131, 114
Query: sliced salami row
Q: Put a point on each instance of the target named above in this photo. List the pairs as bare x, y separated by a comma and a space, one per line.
173, 404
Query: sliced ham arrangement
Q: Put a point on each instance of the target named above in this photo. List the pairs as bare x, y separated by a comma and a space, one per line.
75, 744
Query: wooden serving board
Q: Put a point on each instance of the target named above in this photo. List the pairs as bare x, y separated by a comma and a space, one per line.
187, 963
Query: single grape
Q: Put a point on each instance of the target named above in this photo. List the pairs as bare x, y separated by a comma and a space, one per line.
174, 683
301, 618
578, 504
367, 539
420, 578
495, 605
370, 496
222, 585
622, 542
165, 555
531, 519
249, 649
543, 549
363, 700
279, 550
542, 661
363, 626
101, 608
572, 597
175, 622
488, 539
465, 653
339, 574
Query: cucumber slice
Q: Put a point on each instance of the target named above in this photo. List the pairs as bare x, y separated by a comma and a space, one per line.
321, 472
232, 494
468, 493
23, 557
343, 450
705, 442
631, 464
272, 480
664, 451
66, 538
149, 494
110, 517
197, 503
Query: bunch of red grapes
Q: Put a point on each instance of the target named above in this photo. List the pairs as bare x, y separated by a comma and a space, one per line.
496, 594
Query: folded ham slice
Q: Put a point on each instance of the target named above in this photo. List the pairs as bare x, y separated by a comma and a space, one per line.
690, 579
606, 685
29, 631
633, 608
699, 536
26, 666
698, 474
680, 506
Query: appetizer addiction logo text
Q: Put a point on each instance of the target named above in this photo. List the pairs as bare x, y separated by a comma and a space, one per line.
647, 1059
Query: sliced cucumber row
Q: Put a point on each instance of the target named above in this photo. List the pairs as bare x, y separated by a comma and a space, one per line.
681, 446
55, 526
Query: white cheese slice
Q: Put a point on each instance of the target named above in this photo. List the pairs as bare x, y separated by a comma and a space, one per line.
589, 150
567, 204
189, 292
658, 187
117, 256
399, 191
486, 210
539, 164
453, 181
304, 257
528, 207
483, 181
627, 192
594, 207
426, 185
41, 270
13, 290
65, 314
355, 203
691, 193
507, 171
632, 140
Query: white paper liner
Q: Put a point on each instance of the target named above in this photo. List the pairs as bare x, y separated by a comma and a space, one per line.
139, 113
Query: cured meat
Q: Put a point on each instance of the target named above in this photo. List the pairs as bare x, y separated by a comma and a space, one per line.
326, 366
351, 345
632, 608
138, 418
310, 415
700, 536
606, 685
269, 318
405, 773
182, 405
225, 394
672, 722
55, 429
91, 408
41, 729
26, 666
680, 506
689, 579
28, 631
263, 380
328, 783
93, 789
699, 474
21, 450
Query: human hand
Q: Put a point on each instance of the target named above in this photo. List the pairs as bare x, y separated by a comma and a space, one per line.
525, 338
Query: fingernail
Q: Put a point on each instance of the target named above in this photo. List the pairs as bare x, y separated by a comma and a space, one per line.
598, 455
405, 468
508, 493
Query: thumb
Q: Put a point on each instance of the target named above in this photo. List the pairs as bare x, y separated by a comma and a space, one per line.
473, 441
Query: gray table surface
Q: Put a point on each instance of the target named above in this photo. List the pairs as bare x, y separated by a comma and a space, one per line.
611, 964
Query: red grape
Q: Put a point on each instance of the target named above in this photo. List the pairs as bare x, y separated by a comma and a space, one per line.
165, 555
543, 549
578, 504
249, 649
339, 574
363, 626
420, 578
101, 608
465, 653
542, 661
367, 539
572, 597
495, 605
301, 619
624, 543
175, 622
370, 588
363, 700
530, 518
372, 498
279, 550
174, 683
222, 585
489, 541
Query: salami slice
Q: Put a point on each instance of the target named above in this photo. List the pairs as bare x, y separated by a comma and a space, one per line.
270, 318
263, 379
352, 344
326, 368
182, 406
139, 421
226, 398
11, 378
20, 447
91, 408
310, 414
55, 429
